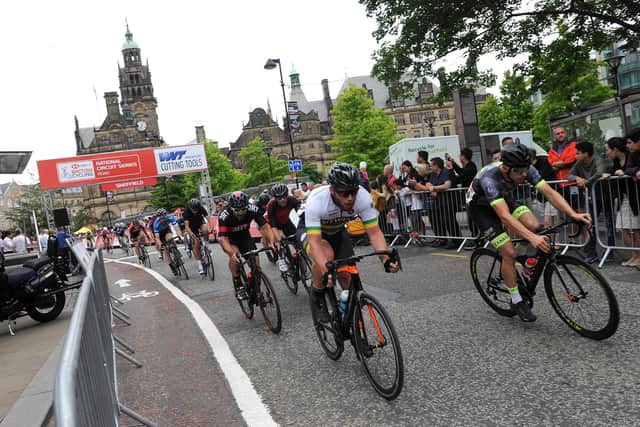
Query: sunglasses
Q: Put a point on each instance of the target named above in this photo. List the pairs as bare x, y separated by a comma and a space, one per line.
520, 171
281, 197
346, 193
240, 211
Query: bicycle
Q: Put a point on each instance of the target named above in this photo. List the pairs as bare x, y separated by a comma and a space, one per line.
188, 245
298, 266
579, 287
259, 290
207, 257
367, 325
176, 258
144, 256
125, 246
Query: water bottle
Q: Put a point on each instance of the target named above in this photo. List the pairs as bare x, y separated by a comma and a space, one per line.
529, 266
282, 265
342, 301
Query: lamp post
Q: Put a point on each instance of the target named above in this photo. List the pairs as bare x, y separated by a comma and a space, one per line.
267, 151
270, 65
613, 62
428, 120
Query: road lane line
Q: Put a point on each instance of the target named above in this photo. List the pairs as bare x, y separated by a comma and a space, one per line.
252, 408
449, 255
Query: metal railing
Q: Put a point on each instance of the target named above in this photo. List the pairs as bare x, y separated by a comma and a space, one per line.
85, 391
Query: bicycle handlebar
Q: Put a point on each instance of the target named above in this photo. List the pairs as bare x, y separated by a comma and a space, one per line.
553, 228
254, 252
392, 253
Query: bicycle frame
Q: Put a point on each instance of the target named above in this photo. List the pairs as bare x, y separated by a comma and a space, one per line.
249, 258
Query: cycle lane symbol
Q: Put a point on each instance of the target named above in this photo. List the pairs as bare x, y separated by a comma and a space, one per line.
142, 294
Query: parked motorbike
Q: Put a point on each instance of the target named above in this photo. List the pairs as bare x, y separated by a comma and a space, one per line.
36, 290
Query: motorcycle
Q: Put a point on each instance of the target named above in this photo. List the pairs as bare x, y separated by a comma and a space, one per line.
37, 289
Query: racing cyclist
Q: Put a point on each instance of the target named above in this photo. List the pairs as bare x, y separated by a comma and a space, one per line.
233, 226
135, 229
164, 233
278, 210
322, 231
492, 204
195, 222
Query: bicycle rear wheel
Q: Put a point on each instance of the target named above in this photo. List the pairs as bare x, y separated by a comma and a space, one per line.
329, 335
269, 306
485, 271
582, 297
304, 271
378, 347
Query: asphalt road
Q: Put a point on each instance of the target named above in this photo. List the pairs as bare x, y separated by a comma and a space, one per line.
464, 364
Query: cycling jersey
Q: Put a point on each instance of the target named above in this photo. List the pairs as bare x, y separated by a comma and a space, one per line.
135, 229
323, 216
490, 187
278, 216
119, 231
234, 228
195, 219
164, 223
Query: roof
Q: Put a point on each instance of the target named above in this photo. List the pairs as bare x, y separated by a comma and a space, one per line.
87, 136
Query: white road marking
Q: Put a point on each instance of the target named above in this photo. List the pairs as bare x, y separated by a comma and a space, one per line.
252, 408
123, 283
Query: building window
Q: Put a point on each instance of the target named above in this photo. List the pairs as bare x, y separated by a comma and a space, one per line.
415, 118
446, 131
104, 140
399, 119
416, 133
131, 138
443, 114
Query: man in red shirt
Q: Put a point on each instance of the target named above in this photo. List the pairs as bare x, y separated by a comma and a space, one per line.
562, 155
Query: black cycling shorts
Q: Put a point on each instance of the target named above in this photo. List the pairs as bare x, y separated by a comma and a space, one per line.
491, 228
162, 233
340, 242
244, 244
288, 229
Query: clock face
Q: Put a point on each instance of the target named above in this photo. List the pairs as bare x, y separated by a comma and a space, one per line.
142, 126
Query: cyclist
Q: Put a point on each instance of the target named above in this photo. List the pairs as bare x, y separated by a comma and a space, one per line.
151, 220
195, 221
278, 210
234, 235
492, 203
119, 231
322, 231
135, 228
164, 233
104, 235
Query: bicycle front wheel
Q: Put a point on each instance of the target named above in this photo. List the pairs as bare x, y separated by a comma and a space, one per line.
178, 262
486, 273
268, 302
210, 271
289, 276
329, 335
582, 297
378, 347
304, 271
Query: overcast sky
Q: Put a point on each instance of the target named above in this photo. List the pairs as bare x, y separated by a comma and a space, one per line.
206, 60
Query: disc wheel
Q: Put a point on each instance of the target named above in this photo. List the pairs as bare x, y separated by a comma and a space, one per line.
269, 306
582, 297
378, 347
487, 277
329, 334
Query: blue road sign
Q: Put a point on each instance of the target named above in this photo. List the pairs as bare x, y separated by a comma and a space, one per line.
295, 165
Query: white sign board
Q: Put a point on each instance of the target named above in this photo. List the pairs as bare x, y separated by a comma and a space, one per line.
180, 159
436, 146
519, 137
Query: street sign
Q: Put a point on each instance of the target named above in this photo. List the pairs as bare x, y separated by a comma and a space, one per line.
295, 165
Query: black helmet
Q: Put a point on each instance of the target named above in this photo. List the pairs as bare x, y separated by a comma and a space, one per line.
343, 176
238, 200
263, 200
515, 156
193, 204
279, 190
161, 212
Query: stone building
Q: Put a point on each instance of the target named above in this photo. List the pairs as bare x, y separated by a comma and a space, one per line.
131, 123
10, 195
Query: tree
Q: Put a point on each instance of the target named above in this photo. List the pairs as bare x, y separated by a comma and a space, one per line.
311, 172
80, 219
224, 178
513, 111
362, 132
256, 164
414, 35
21, 216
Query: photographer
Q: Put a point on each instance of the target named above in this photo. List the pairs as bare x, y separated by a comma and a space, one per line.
462, 176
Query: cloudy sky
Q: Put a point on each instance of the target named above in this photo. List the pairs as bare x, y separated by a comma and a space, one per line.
206, 60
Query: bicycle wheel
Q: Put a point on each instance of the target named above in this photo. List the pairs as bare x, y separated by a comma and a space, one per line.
329, 335
304, 271
378, 347
147, 259
246, 305
178, 262
209, 263
289, 275
271, 256
269, 306
582, 297
485, 271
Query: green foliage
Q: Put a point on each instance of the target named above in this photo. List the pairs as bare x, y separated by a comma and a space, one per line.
513, 111
414, 35
309, 170
362, 132
80, 219
21, 216
256, 164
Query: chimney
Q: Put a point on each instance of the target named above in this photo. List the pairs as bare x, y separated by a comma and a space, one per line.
200, 137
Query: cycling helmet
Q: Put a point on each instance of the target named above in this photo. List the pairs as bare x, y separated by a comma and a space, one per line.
238, 200
194, 204
515, 156
161, 212
279, 190
263, 200
343, 176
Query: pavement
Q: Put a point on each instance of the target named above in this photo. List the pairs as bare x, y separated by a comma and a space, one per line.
204, 363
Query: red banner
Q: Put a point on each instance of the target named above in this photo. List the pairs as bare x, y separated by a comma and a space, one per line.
119, 166
125, 185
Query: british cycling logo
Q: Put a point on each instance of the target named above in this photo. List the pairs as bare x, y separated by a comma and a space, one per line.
75, 171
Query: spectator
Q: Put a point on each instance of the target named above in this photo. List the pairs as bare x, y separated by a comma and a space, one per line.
495, 155
385, 196
363, 171
562, 156
388, 174
423, 158
62, 247
20, 242
507, 140
545, 209
43, 238
443, 214
304, 188
585, 172
626, 220
632, 169
7, 242
462, 176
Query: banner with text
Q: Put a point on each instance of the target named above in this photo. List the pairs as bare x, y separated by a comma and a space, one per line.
126, 185
119, 166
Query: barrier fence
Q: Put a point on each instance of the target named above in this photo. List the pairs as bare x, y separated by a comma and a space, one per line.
85, 390
423, 217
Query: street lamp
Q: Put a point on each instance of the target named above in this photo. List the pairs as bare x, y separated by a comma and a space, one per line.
267, 151
270, 65
613, 62
428, 120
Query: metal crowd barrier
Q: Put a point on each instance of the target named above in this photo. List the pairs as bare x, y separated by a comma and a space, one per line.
616, 225
86, 391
